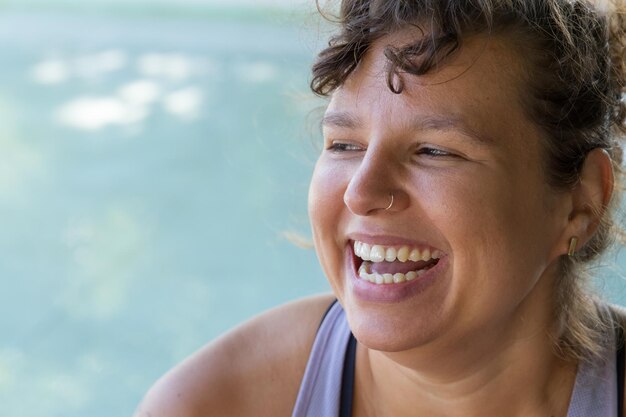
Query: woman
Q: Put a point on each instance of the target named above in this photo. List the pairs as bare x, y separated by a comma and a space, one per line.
467, 176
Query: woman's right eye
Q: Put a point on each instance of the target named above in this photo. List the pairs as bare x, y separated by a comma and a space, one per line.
344, 147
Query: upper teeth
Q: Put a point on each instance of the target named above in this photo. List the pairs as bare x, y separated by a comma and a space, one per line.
380, 253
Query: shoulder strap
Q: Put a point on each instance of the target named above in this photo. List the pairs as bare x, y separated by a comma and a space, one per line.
620, 369
320, 389
326, 313
619, 360
347, 379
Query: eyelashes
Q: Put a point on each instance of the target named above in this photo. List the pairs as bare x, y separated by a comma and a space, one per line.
339, 147
434, 152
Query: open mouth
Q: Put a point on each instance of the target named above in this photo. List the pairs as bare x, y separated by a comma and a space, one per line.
382, 265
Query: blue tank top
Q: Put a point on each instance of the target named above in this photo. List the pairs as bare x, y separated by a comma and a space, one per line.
327, 384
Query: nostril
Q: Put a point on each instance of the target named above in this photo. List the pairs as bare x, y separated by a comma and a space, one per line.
364, 206
367, 203
390, 202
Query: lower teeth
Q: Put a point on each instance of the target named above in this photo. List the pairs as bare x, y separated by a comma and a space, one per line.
396, 278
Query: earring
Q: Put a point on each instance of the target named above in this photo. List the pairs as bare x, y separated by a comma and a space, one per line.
572, 245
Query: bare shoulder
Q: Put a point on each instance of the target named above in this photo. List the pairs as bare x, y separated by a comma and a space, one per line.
253, 370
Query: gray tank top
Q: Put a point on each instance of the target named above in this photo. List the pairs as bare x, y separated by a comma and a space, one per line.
595, 391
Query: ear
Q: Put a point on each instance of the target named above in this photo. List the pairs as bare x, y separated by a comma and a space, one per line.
590, 198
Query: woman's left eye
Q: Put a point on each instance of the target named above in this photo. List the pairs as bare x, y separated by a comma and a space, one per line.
434, 152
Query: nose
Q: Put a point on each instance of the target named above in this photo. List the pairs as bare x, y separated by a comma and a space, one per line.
375, 186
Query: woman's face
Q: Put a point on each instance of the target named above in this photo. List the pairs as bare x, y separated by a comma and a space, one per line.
471, 208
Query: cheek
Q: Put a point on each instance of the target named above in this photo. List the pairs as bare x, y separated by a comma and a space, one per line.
491, 233
326, 201
484, 215
325, 212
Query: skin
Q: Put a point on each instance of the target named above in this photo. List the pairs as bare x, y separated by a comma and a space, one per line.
253, 370
475, 341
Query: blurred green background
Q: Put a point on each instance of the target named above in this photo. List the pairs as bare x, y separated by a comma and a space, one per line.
154, 158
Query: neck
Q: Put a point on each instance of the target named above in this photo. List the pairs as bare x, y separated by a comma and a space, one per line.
509, 369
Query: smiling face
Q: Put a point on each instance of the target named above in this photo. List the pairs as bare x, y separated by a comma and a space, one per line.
472, 237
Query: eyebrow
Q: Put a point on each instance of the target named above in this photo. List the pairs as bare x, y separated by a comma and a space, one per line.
341, 119
430, 122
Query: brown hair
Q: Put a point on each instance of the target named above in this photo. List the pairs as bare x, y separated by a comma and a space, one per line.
575, 74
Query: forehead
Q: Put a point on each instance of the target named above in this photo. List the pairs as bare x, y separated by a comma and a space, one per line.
480, 87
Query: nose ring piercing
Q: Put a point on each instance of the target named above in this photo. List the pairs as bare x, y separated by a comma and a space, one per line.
572, 246
390, 203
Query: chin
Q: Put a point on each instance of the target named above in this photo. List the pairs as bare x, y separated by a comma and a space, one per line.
387, 332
